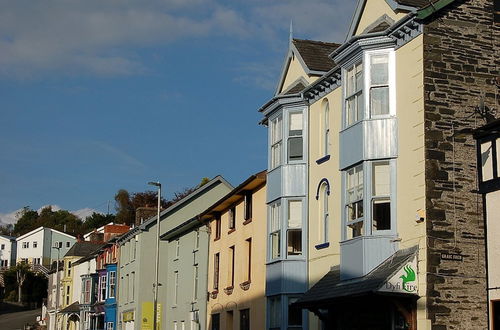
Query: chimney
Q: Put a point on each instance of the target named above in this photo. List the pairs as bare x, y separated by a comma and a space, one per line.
144, 213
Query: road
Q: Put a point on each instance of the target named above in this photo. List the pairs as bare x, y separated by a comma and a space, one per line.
14, 321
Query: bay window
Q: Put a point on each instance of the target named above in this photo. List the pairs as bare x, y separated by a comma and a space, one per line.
354, 201
381, 196
275, 230
276, 142
379, 84
112, 284
354, 94
295, 124
294, 231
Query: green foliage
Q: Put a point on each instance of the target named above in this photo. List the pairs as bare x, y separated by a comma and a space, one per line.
97, 220
7, 229
29, 219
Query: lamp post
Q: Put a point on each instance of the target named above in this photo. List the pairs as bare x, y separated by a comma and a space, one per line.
57, 245
157, 256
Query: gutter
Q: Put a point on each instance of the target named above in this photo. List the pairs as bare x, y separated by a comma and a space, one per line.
432, 8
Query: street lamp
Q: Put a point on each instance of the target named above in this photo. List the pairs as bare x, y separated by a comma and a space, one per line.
58, 246
157, 255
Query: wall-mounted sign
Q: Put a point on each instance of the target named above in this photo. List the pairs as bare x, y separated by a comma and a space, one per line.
147, 315
128, 316
452, 256
405, 280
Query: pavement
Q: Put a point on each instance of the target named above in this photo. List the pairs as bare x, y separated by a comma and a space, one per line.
17, 320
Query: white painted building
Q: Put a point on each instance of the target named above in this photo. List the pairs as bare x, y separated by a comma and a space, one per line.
36, 247
7, 251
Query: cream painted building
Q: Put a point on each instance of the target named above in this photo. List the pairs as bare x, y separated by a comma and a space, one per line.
237, 255
393, 240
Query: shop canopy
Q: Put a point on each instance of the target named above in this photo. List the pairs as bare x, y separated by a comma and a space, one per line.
395, 276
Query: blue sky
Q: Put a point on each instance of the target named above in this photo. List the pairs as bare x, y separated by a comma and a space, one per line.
101, 95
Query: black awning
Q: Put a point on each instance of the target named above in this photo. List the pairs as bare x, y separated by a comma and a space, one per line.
331, 288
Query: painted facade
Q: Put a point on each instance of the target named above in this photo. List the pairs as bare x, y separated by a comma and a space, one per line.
237, 257
136, 265
8, 251
36, 247
382, 186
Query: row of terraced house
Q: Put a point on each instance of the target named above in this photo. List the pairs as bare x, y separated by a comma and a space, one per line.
377, 209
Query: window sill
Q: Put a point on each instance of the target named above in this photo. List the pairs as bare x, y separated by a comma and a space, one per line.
231, 231
217, 238
176, 258
247, 221
323, 159
322, 246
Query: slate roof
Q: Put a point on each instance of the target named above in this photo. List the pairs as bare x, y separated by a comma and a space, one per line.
330, 287
295, 89
82, 249
316, 53
416, 3
380, 27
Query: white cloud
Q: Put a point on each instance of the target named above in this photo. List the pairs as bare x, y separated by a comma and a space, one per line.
97, 37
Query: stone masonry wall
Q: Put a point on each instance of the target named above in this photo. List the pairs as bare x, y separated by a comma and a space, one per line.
460, 62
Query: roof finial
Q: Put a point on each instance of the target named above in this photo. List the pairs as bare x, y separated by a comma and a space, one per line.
291, 30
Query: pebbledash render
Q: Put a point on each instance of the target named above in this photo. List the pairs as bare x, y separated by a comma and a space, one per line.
372, 136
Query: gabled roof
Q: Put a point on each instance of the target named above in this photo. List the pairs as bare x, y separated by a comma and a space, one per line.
315, 53
10, 238
312, 55
34, 231
151, 221
82, 249
253, 182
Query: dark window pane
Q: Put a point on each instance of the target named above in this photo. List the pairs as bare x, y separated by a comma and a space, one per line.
295, 148
294, 314
245, 319
382, 215
215, 321
294, 242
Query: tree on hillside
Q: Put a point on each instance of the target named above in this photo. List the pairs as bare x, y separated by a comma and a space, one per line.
60, 220
127, 204
125, 211
97, 220
7, 229
26, 221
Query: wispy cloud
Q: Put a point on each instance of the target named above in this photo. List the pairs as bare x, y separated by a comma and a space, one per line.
102, 38
120, 156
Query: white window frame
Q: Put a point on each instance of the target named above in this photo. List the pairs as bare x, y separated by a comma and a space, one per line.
325, 118
177, 249
112, 284
391, 83
290, 137
324, 214
35, 244
276, 142
275, 210
381, 197
356, 95
294, 229
357, 190
195, 282
176, 287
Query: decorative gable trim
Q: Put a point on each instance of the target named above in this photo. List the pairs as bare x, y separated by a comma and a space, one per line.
360, 6
382, 19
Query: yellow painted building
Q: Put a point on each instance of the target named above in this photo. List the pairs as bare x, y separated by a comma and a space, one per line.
237, 256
